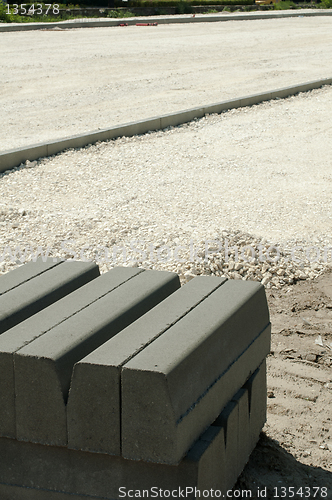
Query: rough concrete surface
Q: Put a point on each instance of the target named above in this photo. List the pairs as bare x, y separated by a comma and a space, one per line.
43, 368
169, 389
93, 409
39, 324
71, 81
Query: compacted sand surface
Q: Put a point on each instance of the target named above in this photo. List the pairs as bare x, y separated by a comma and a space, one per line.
56, 83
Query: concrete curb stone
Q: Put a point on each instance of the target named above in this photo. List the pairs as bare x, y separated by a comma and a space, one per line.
13, 158
169, 390
179, 374
25, 273
93, 410
29, 330
36, 472
43, 368
33, 295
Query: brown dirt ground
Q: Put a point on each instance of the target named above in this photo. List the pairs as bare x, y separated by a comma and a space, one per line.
295, 447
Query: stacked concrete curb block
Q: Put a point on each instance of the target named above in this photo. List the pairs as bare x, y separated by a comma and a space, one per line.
178, 385
31, 471
15, 157
132, 382
94, 413
43, 367
51, 282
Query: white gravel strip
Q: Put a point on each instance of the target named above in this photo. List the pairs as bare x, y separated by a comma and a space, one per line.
260, 175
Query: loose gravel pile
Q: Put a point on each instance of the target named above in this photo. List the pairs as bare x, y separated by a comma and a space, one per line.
235, 194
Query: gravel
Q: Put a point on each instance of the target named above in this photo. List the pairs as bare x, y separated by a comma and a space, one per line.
178, 199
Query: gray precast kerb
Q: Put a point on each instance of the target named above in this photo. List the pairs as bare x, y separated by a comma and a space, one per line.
32, 471
24, 273
32, 328
43, 368
94, 406
174, 388
33, 295
15, 157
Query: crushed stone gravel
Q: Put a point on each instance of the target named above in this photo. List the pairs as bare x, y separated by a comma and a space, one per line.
234, 194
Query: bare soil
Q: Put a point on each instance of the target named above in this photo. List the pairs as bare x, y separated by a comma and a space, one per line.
295, 448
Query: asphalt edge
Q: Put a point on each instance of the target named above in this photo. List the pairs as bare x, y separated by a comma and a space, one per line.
101, 23
15, 157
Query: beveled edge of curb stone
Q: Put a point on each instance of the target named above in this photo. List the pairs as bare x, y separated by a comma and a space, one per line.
32, 328
164, 431
46, 288
228, 384
93, 412
44, 367
24, 273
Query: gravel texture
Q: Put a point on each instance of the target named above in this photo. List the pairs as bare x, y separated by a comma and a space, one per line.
65, 82
258, 176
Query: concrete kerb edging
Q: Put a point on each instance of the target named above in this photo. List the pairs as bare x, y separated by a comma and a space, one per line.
13, 158
90, 23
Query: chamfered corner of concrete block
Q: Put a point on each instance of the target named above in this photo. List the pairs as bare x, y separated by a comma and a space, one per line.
43, 368
24, 273
175, 387
42, 290
93, 408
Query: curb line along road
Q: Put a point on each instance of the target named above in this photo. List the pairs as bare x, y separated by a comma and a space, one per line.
203, 18
14, 157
